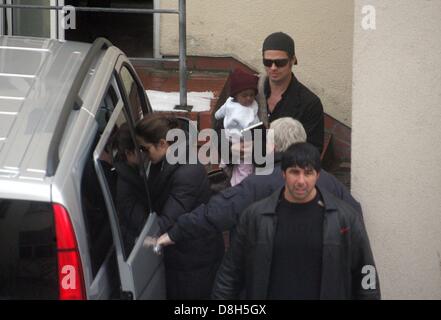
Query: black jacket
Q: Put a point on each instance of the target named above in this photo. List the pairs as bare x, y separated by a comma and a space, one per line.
176, 189
346, 252
222, 212
300, 103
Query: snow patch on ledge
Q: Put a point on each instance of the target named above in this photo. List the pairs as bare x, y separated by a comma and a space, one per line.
166, 101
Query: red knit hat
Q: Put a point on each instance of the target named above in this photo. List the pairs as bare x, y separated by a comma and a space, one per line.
241, 81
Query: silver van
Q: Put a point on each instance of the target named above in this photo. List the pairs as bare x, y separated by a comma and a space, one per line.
60, 231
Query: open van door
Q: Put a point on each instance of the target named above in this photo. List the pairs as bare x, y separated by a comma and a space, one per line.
141, 269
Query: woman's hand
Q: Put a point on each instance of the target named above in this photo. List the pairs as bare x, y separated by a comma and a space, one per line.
164, 240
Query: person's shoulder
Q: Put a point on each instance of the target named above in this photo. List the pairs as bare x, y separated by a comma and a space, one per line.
331, 184
307, 94
264, 178
229, 103
191, 167
253, 212
263, 206
191, 171
327, 180
254, 178
333, 202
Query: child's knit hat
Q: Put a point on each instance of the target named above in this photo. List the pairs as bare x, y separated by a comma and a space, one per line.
241, 80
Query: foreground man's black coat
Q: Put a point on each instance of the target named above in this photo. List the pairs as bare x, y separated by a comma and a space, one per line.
346, 254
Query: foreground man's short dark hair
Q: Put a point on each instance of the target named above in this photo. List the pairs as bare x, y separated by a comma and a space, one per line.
303, 155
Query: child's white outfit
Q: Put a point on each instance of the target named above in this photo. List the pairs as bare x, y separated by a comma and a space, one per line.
237, 117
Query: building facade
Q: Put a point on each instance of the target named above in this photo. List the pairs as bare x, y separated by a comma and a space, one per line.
375, 66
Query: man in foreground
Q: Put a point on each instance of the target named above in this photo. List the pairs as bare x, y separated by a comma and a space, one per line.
301, 242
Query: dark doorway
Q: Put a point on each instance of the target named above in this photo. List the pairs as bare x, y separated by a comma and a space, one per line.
131, 32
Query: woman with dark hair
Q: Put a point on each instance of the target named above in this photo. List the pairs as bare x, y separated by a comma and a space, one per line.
131, 201
175, 189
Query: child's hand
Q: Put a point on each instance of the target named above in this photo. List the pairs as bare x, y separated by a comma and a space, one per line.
245, 148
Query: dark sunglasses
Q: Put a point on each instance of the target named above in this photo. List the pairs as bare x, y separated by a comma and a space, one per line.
278, 62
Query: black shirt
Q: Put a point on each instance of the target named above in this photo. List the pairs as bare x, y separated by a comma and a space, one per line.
297, 252
300, 103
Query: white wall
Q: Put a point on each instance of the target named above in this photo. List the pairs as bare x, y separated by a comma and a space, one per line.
322, 30
396, 143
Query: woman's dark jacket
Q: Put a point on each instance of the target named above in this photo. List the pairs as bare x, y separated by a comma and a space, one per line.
175, 190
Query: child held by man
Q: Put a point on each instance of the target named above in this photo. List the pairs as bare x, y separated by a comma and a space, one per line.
238, 113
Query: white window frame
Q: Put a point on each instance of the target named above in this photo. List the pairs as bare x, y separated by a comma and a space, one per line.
8, 13
54, 16
156, 30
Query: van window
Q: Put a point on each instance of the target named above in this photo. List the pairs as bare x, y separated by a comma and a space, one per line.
126, 186
94, 207
106, 108
95, 214
133, 91
28, 257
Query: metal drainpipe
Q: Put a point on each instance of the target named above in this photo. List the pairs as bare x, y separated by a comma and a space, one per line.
183, 58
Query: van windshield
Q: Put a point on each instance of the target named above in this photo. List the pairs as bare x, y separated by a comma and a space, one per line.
28, 259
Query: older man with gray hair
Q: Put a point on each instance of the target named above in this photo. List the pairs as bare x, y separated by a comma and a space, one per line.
222, 211
285, 131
